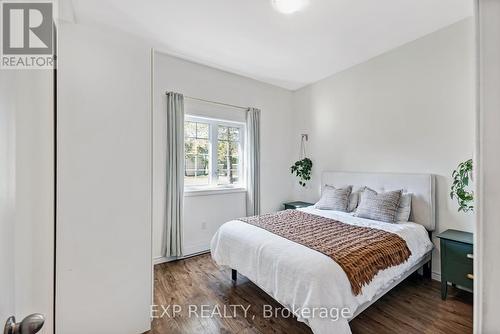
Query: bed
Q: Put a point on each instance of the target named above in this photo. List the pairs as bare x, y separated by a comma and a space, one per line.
302, 279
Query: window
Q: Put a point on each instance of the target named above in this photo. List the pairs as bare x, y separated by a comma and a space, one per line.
213, 153
197, 148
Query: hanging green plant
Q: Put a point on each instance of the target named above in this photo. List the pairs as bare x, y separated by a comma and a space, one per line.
302, 169
460, 187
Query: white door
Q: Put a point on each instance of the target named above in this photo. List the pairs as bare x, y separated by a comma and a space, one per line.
104, 266
26, 195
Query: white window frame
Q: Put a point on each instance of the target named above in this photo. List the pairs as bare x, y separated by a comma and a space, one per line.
213, 187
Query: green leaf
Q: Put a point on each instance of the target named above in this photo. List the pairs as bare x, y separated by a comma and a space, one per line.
460, 186
302, 169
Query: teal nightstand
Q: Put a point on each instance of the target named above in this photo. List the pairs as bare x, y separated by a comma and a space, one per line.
456, 260
296, 205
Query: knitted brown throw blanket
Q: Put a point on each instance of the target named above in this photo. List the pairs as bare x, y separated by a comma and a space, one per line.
361, 251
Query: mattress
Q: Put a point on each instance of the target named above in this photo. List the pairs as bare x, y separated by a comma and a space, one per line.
305, 281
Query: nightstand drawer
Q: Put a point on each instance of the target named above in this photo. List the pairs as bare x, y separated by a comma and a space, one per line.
458, 251
459, 274
457, 265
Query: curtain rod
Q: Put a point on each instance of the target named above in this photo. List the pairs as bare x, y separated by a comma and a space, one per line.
215, 102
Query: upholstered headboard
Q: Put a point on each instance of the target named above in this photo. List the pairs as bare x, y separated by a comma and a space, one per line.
420, 185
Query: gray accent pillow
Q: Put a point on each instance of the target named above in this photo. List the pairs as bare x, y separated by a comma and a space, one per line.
379, 206
404, 208
334, 198
354, 199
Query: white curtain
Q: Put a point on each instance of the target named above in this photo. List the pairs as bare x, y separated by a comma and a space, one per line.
252, 143
172, 245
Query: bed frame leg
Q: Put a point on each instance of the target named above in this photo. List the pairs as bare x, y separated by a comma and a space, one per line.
428, 270
234, 275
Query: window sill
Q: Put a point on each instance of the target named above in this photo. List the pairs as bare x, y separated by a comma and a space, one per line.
212, 191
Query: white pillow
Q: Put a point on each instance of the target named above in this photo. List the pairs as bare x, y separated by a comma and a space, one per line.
354, 199
404, 208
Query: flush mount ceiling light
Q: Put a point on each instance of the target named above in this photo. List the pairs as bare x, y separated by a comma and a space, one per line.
289, 6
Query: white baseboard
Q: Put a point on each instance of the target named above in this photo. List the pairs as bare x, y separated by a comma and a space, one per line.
189, 251
162, 259
436, 276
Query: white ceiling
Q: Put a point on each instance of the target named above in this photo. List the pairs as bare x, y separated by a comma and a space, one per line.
248, 37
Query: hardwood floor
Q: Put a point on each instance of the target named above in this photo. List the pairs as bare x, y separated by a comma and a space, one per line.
415, 306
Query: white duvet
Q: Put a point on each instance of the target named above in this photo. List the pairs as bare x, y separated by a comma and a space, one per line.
303, 279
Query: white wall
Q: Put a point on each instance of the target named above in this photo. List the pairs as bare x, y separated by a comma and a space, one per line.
26, 194
7, 194
104, 264
174, 74
213, 210
487, 246
408, 110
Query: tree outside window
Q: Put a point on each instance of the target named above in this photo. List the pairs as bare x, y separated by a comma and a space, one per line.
213, 151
